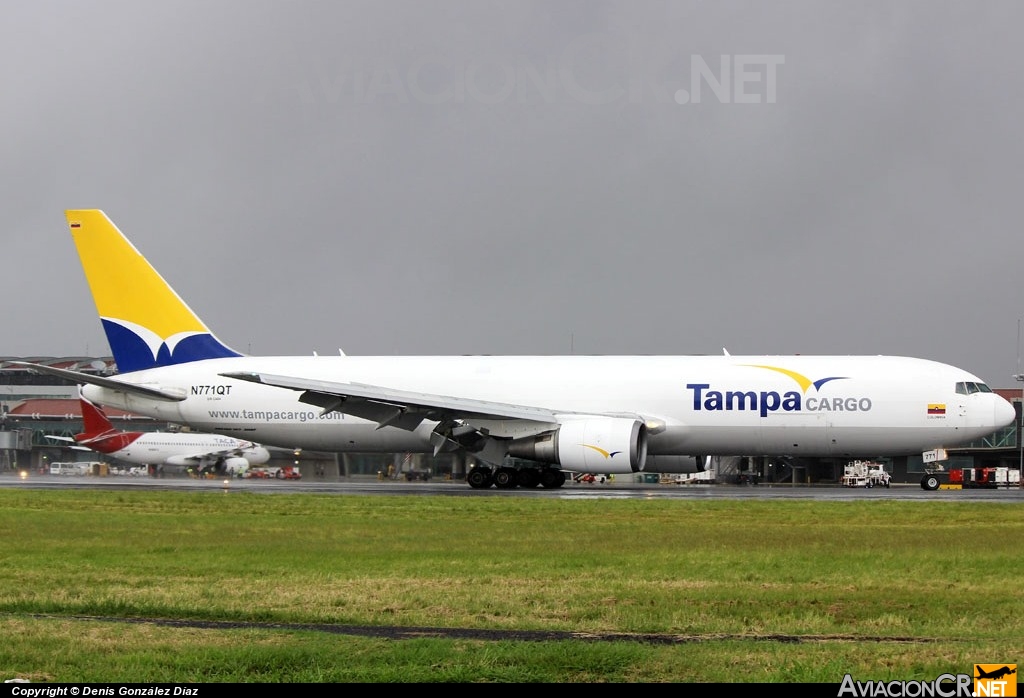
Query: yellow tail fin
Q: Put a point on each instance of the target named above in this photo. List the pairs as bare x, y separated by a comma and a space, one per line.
147, 324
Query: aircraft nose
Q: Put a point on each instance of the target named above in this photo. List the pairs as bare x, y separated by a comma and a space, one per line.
1004, 412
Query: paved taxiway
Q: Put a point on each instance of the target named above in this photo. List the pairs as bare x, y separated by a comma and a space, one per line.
614, 490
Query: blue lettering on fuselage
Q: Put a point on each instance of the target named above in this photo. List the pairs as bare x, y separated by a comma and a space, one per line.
764, 402
767, 401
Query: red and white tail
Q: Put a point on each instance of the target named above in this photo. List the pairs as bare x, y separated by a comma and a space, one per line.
98, 433
94, 422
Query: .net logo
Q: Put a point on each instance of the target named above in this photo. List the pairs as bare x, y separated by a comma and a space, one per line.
995, 680
989, 681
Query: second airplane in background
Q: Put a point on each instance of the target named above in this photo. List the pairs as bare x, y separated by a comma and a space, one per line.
589, 414
201, 452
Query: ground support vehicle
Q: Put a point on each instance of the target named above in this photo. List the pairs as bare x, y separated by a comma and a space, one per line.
971, 478
865, 474
703, 477
591, 478
288, 472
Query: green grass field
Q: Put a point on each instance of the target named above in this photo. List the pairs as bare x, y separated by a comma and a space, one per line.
753, 591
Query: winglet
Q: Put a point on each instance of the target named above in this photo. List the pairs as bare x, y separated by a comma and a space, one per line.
147, 324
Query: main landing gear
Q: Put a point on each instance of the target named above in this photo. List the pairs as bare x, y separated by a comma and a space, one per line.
481, 477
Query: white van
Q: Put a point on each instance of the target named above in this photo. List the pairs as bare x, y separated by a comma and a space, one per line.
79, 468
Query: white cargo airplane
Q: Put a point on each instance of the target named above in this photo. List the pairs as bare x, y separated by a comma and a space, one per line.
591, 414
204, 452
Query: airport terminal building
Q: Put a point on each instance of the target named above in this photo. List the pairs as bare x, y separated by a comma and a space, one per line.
34, 407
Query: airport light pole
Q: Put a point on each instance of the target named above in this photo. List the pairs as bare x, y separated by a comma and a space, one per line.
1018, 376
1020, 428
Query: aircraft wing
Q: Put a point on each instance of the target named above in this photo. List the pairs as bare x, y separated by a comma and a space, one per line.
227, 452
399, 408
202, 456
481, 427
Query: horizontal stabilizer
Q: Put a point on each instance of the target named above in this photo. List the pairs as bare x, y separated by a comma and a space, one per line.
108, 383
68, 439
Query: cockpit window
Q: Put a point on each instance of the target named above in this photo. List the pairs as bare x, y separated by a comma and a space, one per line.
966, 388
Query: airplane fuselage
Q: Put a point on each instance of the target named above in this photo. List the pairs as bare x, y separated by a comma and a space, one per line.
856, 406
180, 449
597, 414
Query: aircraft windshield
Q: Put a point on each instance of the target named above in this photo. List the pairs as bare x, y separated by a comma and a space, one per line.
966, 388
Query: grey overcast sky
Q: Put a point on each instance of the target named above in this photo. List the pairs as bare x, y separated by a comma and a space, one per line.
436, 177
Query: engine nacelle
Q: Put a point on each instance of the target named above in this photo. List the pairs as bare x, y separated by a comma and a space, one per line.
235, 465
256, 455
674, 464
596, 445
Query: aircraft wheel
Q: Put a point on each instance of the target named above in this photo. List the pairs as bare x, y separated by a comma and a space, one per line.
506, 478
528, 477
551, 479
479, 478
930, 482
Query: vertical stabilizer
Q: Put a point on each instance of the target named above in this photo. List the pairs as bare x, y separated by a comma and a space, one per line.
94, 421
147, 324
98, 433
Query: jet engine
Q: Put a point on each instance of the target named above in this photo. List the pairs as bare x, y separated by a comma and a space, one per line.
235, 465
595, 445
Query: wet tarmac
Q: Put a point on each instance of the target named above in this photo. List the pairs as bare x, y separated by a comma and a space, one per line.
621, 488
